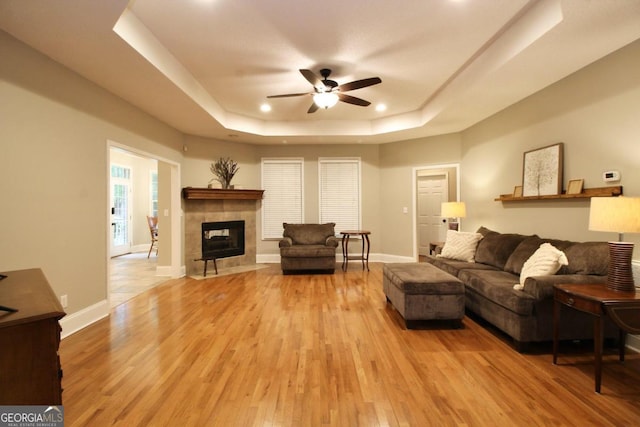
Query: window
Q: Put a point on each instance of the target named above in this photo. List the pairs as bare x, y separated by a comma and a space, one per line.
154, 193
340, 192
120, 172
282, 180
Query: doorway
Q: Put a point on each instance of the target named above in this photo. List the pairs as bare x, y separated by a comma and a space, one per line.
133, 181
432, 189
432, 186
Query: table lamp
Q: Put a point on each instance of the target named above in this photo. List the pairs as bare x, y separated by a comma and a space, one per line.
620, 215
453, 210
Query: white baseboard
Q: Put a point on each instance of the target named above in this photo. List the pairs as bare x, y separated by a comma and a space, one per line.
140, 248
386, 258
275, 258
81, 319
268, 258
169, 271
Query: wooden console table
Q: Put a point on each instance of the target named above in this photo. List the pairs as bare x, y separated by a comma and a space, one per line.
621, 307
365, 248
29, 339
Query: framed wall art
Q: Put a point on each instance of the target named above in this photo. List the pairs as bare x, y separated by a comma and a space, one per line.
542, 171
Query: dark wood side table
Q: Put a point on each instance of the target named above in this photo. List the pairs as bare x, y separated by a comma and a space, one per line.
621, 307
365, 248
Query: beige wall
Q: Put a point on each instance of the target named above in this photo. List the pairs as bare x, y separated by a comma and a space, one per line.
594, 112
164, 214
398, 164
54, 128
202, 152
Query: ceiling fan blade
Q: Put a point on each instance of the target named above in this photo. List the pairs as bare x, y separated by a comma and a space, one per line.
289, 95
312, 78
358, 84
313, 108
353, 100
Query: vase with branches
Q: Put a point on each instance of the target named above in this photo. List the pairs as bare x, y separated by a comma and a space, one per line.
224, 170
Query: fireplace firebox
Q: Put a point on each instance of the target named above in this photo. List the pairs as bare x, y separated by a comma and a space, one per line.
221, 239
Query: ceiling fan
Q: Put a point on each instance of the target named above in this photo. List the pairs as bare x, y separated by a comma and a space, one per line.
327, 92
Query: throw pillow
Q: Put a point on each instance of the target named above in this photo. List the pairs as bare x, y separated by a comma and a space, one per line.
545, 261
460, 246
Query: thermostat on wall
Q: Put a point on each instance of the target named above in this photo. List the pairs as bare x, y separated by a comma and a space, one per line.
611, 176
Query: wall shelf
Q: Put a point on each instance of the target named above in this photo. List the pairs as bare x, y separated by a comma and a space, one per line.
587, 193
191, 193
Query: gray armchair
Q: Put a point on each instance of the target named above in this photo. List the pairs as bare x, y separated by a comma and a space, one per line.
306, 247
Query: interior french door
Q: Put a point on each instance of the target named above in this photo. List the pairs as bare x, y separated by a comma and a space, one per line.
120, 210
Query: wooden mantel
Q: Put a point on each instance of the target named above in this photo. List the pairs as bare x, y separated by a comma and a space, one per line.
191, 193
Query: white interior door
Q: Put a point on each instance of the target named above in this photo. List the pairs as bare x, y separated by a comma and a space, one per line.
120, 210
431, 192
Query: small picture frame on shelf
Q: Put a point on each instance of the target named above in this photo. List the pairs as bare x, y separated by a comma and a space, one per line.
575, 186
517, 191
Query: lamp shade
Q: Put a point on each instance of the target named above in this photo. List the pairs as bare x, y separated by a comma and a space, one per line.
616, 214
453, 210
325, 99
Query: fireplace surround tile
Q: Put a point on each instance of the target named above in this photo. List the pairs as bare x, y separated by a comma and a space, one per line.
199, 211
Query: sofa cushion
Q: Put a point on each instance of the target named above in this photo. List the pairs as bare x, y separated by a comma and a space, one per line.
309, 234
545, 261
484, 231
308, 251
453, 266
587, 258
460, 245
497, 286
526, 248
495, 248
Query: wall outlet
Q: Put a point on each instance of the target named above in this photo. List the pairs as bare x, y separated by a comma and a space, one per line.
63, 301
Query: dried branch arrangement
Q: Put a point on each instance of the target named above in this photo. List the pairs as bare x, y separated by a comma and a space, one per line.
224, 170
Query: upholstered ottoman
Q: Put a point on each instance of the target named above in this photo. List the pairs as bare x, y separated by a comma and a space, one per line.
420, 291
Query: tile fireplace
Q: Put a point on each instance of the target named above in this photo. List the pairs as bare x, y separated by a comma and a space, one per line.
227, 207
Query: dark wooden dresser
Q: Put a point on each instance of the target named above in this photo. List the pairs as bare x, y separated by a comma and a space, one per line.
30, 372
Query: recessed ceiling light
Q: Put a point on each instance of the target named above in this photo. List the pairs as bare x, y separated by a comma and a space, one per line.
381, 107
265, 108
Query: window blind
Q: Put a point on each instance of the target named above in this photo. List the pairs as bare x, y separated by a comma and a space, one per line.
340, 193
282, 180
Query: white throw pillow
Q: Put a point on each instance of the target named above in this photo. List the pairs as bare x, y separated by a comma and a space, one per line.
460, 246
545, 261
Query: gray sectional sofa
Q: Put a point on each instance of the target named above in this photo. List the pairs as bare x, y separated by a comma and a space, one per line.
527, 315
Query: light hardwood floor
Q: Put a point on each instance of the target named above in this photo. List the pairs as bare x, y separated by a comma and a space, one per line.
131, 275
263, 349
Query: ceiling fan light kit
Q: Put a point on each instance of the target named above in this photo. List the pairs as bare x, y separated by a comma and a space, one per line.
326, 93
325, 99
